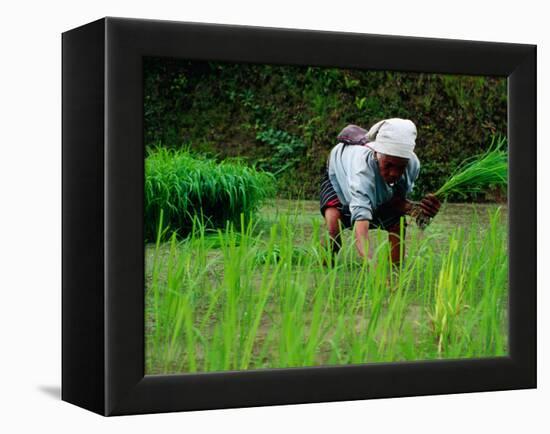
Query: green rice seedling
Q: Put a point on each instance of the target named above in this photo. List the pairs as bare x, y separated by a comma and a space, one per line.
449, 290
184, 185
488, 280
175, 287
469, 309
480, 172
474, 176
364, 339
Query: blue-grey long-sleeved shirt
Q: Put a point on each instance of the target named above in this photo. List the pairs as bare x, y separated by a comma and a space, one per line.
355, 176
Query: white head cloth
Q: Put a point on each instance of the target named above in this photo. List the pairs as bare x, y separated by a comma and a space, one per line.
395, 137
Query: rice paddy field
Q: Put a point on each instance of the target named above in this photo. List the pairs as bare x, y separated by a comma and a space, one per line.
257, 294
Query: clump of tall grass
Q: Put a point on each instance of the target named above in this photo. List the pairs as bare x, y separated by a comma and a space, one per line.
474, 176
184, 185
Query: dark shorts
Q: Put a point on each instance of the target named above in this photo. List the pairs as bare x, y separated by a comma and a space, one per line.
384, 217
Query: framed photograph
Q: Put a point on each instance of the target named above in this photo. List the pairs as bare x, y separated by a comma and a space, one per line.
257, 216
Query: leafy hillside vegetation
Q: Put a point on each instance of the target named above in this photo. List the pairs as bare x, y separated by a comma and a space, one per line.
285, 119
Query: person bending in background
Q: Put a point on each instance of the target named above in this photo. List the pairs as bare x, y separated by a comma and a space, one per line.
367, 180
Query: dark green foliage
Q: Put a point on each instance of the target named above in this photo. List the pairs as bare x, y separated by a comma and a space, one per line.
186, 186
232, 110
287, 151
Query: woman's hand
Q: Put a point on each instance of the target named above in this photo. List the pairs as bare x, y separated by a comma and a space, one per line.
430, 205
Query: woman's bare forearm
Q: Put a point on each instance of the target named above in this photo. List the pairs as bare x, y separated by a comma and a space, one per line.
361, 236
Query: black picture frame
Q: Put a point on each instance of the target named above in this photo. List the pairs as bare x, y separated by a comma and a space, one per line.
103, 182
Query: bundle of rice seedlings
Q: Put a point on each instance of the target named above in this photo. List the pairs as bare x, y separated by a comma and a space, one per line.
187, 186
474, 176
